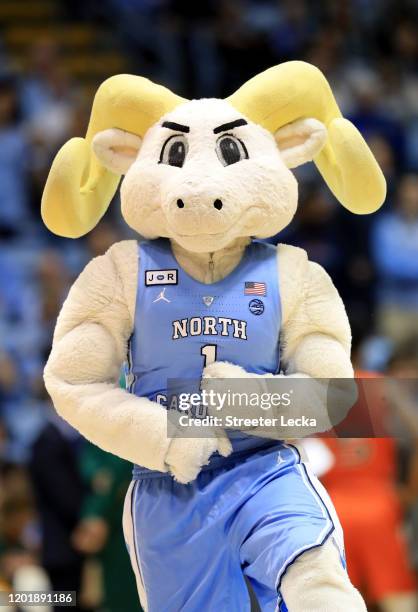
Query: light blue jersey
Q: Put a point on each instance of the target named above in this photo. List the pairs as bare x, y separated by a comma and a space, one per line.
251, 514
181, 324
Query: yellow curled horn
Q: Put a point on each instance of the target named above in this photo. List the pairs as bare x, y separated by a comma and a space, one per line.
296, 90
79, 189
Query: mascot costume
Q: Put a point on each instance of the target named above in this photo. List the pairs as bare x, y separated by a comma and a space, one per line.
202, 178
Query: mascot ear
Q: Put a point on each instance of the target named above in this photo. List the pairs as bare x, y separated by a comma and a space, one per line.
300, 141
116, 149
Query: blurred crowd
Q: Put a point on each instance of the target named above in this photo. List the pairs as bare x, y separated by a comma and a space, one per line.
368, 50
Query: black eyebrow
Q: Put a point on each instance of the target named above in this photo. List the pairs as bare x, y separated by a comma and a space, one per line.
178, 127
229, 126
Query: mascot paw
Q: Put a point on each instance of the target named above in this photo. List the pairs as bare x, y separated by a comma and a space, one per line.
224, 369
187, 456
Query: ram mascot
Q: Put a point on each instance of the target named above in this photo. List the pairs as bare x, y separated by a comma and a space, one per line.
200, 297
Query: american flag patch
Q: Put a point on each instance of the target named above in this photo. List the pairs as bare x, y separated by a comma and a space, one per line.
251, 288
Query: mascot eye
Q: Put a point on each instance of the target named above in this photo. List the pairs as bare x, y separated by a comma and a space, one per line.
174, 151
230, 150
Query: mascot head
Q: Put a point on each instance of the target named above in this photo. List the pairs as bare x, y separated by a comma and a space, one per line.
205, 172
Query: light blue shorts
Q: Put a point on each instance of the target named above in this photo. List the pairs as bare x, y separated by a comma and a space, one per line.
191, 545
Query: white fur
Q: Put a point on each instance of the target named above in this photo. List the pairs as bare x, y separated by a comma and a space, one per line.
300, 141
186, 456
259, 194
116, 149
317, 582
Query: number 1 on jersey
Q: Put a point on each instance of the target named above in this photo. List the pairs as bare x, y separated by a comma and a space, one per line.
209, 353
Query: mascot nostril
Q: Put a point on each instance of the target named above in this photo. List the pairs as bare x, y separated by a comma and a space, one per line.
196, 299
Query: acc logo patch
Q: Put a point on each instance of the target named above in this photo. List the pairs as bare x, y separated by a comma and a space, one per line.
161, 277
208, 300
256, 307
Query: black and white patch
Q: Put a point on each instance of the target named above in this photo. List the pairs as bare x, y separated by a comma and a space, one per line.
161, 277
256, 307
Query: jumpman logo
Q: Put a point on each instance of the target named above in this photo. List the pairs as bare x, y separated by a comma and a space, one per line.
161, 296
280, 459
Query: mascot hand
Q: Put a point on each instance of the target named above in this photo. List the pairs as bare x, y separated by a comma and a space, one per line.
224, 369
214, 379
329, 399
187, 456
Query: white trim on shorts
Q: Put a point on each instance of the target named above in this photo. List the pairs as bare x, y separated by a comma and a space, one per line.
129, 530
327, 510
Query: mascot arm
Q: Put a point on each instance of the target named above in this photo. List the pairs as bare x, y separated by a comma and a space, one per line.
315, 332
89, 347
316, 335
315, 341
82, 373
